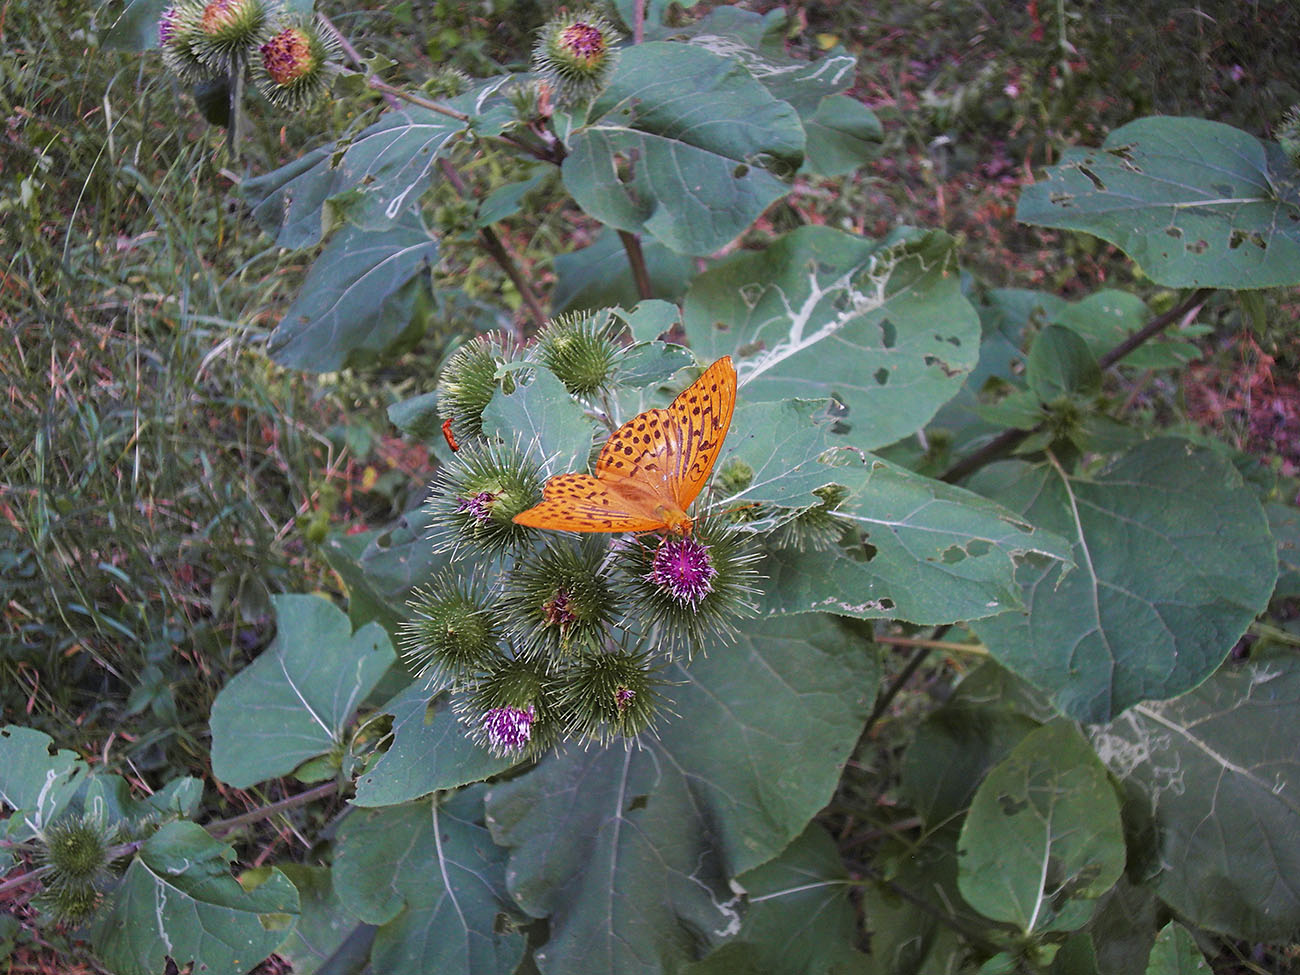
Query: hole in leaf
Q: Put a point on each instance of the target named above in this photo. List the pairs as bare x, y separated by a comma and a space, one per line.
1010, 805
638, 802
1200, 247
888, 334
1174, 232
741, 171
886, 603
953, 554
881, 376
978, 547
1063, 200
1093, 178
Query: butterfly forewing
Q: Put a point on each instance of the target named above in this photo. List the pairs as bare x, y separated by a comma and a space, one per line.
699, 419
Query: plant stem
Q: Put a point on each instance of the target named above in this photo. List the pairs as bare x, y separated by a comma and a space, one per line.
1007, 440
636, 258
976, 649
497, 249
901, 679
224, 827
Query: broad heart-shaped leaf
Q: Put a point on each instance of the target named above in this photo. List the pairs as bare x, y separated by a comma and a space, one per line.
287, 203
1061, 364
1043, 837
1174, 561
699, 153
1220, 767
929, 553
37, 780
324, 926
543, 417
293, 703
358, 300
629, 850
430, 751
1195, 203
799, 920
381, 568
178, 900
880, 326
598, 276
989, 714
1284, 520
1175, 953
429, 873
842, 135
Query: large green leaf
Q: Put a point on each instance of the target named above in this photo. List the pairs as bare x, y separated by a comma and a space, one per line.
324, 926
880, 326
288, 202
1175, 953
1220, 767
543, 417
429, 873
430, 751
358, 300
1196, 203
699, 154
135, 28
1284, 520
380, 568
799, 919
1174, 561
178, 901
956, 745
37, 780
629, 850
1043, 837
293, 703
929, 552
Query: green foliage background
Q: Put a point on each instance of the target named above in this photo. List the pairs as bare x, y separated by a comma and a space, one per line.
200, 409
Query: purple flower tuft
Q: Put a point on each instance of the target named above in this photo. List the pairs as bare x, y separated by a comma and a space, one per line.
623, 697
167, 25
683, 570
508, 729
479, 507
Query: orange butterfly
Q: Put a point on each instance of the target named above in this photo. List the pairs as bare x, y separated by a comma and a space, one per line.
651, 469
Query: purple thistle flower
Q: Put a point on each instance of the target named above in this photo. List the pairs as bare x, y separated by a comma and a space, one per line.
167, 25
557, 612
683, 570
623, 697
478, 507
583, 41
508, 729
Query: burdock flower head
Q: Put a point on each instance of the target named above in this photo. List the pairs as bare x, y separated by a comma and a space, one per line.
294, 63
691, 590
180, 39
608, 695
580, 350
558, 601
681, 568
453, 632
576, 53
226, 31
476, 496
507, 711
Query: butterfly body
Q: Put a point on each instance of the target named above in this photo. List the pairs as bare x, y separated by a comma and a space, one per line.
652, 468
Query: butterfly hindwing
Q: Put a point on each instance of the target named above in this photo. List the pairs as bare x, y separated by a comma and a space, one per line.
582, 503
